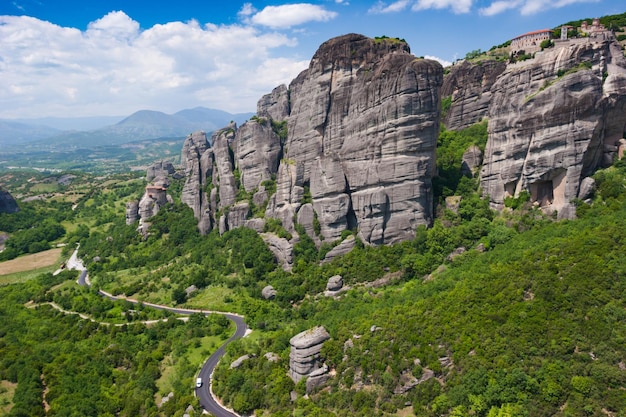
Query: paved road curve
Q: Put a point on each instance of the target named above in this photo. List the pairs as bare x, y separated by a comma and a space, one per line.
204, 394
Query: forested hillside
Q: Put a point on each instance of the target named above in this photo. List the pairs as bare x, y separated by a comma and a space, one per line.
528, 321
474, 312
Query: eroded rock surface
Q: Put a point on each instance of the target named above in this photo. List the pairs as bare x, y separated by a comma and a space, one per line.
468, 86
197, 164
362, 129
341, 249
305, 352
553, 121
358, 152
159, 169
281, 248
132, 212
257, 151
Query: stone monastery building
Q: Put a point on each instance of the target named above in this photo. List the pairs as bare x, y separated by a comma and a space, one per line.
530, 42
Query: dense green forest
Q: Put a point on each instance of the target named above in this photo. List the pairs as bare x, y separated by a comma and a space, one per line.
529, 320
68, 366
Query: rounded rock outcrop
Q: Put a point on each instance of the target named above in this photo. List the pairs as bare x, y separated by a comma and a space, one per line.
268, 292
335, 283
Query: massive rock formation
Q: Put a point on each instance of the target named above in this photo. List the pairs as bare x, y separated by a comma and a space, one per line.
160, 169
468, 86
197, 164
257, 151
132, 212
554, 120
361, 135
359, 153
7, 203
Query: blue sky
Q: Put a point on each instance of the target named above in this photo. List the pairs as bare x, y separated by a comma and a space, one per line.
71, 58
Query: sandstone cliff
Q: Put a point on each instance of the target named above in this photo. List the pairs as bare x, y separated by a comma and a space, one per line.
468, 87
362, 132
553, 121
362, 125
362, 121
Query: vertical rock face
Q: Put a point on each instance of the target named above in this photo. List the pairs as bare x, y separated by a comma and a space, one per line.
7, 203
305, 352
197, 164
362, 124
224, 166
257, 152
159, 169
368, 111
469, 88
553, 121
132, 212
275, 105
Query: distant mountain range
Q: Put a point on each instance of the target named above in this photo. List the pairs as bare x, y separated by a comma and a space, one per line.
57, 133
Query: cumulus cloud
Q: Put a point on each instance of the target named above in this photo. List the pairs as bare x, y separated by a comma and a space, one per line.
115, 68
289, 15
527, 7
246, 10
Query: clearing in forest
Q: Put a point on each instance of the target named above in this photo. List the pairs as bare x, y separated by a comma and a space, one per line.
29, 262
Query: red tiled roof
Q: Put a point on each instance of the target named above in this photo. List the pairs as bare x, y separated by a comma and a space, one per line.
536, 32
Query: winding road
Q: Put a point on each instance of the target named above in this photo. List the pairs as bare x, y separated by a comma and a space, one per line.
204, 393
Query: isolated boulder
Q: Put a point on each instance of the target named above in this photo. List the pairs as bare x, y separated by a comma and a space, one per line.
335, 283
305, 352
268, 292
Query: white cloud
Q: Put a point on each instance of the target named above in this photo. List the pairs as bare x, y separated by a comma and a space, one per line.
246, 10
442, 61
457, 6
498, 7
381, 8
527, 7
289, 15
115, 68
